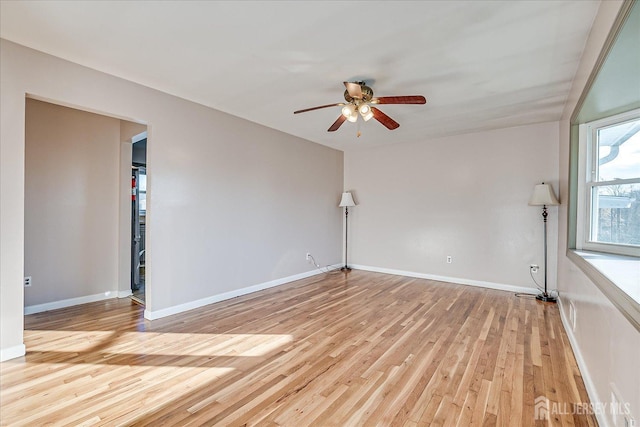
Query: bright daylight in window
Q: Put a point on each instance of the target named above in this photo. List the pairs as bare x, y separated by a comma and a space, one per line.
143, 190
611, 211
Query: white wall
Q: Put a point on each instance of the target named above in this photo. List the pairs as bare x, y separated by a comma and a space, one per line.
464, 196
71, 203
605, 343
231, 204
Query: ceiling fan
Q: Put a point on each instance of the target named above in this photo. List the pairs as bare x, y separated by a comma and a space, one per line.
360, 100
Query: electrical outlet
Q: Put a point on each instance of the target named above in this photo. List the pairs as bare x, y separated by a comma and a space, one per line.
449, 259
534, 268
572, 315
27, 281
308, 258
620, 409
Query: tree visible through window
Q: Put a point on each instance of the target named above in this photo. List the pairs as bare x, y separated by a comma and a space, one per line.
613, 182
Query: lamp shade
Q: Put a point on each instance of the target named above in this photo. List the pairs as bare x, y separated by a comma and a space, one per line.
347, 200
349, 111
367, 116
543, 196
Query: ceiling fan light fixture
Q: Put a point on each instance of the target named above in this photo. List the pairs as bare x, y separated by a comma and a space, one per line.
365, 112
349, 111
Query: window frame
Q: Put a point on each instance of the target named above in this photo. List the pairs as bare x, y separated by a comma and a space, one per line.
587, 183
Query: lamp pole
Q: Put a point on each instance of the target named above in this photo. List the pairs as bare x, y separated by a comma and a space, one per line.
545, 295
346, 236
346, 202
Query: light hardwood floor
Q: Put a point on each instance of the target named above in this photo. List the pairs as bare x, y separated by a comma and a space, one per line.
336, 350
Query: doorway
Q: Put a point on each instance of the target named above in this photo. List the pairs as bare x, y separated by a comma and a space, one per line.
138, 217
77, 205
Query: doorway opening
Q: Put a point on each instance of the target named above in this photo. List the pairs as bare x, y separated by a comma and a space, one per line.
78, 202
138, 217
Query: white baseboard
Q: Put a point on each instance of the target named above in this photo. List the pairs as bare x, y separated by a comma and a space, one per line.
176, 309
125, 294
38, 308
456, 280
12, 352
584, 371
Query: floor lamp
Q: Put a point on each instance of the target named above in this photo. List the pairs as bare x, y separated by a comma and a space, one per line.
346, 203
543, 196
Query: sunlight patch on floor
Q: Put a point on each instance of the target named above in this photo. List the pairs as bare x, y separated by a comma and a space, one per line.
155, 343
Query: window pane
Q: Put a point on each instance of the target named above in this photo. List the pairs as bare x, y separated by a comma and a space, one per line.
143, 202
142, 178
619, 151
616, 214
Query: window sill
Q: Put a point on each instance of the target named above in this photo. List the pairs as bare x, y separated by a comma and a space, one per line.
617, 276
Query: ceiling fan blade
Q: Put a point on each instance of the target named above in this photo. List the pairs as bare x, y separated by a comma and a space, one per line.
387, 121
410, 99
317, 108
354, 90
334, 127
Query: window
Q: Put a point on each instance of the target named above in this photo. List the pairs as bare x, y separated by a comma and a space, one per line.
142, 190
602, 213
609, 211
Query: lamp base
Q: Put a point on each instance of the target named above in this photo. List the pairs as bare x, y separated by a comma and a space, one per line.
345, 269
545, 297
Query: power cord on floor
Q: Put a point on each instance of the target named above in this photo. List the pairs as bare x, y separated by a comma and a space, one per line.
534, 280
555, 294
326, 269
525, 295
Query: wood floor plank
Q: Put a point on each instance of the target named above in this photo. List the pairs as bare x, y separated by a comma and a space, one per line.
337, 350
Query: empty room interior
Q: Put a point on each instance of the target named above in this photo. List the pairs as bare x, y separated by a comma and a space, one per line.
320, 213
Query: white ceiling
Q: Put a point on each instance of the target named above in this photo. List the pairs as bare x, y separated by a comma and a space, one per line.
480, 64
